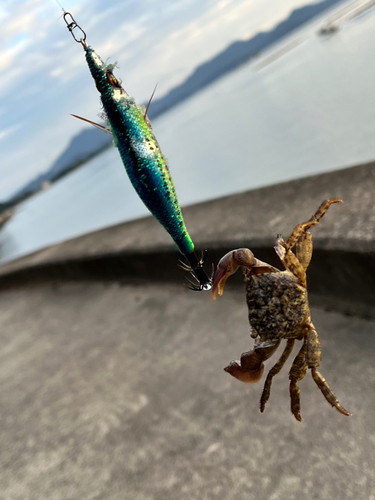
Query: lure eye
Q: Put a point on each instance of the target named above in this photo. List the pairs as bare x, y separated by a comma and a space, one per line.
113, 80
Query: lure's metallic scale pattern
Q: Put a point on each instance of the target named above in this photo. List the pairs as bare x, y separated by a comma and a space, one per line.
144, 162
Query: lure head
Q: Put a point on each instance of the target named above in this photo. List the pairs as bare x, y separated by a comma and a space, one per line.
105, 80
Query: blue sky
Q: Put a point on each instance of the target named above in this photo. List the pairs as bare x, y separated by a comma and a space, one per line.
44, 76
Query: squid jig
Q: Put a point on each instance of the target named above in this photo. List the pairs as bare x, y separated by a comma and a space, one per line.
144, 162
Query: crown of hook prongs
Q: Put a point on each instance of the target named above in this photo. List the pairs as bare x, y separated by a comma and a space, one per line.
196, 285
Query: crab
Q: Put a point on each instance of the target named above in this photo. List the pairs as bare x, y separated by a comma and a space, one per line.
278, 309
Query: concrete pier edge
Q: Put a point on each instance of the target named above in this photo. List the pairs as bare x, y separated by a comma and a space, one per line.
340, 276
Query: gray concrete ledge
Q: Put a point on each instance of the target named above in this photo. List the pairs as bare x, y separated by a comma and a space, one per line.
119, 393
340, 275
111, 379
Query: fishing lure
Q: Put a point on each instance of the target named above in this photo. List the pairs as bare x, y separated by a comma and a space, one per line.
144, 162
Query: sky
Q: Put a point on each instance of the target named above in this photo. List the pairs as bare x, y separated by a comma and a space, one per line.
44, 77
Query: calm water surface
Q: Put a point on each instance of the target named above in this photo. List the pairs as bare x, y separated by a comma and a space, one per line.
310, 110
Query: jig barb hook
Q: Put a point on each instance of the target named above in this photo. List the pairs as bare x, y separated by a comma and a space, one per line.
195, 268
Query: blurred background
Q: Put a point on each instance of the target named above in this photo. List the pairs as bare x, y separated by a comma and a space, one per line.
248, 94
111, 370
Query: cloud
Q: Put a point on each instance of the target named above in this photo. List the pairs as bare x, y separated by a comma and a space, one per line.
7, 131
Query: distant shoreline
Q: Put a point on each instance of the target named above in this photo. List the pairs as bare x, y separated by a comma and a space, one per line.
204, 75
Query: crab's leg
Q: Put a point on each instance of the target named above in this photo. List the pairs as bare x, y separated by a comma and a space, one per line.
290, 261
297, 373
304, 244
324, 206
274, 371
305, 226
302, 239
327, 392
313, 357
304, 249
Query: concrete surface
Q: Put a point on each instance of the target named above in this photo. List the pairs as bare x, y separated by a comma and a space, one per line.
341, 271
118, 392
111, 374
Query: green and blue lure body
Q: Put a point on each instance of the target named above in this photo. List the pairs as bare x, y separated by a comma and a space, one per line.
144, 162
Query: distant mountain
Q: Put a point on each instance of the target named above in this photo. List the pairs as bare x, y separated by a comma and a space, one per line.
81, 148
88, 142
92, 141
234, 55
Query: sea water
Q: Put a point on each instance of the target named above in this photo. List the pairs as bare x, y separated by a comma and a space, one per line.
306, 106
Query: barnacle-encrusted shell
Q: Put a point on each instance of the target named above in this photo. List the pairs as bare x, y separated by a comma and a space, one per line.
278, 306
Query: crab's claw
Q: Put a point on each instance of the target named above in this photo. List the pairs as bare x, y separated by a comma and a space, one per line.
228, 265
244, 375
250, 368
